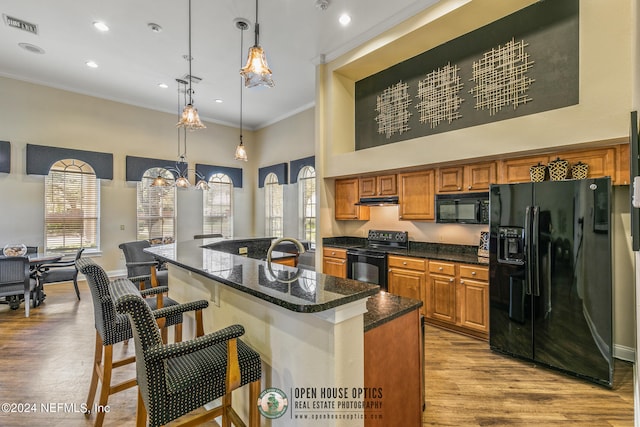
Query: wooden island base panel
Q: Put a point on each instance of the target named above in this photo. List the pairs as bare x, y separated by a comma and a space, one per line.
310, 330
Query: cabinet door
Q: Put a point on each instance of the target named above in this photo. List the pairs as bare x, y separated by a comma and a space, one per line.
387, 185
474, 305
368, 186
407, 283
334, 267
517, 170
441, 299
450, 179
601, 161
416, 195
480, 176
347, 196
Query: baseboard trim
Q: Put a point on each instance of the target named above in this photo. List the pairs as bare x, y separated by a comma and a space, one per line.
623, 352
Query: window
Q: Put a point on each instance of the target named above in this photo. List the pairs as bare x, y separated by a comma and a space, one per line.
273, 206
307, 202
72, 207
217, 206
156, 207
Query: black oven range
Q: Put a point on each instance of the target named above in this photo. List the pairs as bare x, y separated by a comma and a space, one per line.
369, 263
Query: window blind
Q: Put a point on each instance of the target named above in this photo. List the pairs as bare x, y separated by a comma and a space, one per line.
218, 206
156, 207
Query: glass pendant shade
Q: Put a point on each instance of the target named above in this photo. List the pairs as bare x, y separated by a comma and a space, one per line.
183, 182
241, 153
190, 118
202, 185
159, 181
257, 72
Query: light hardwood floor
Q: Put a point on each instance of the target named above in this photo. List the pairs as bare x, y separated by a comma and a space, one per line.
46, 360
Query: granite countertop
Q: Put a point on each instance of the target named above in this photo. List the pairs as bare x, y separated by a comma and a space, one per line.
437, 251
308, 292
384, 307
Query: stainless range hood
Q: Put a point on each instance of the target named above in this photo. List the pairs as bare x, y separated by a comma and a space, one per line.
378, 201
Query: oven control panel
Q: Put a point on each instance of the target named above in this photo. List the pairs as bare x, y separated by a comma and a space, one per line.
388, 236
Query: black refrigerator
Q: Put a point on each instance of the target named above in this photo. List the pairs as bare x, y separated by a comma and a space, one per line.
550, 275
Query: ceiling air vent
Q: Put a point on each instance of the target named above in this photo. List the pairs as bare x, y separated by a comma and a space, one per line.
20, 24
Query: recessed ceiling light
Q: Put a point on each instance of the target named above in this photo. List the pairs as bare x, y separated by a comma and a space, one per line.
163, 85
218, 101
31, 48
91, 64
154, 27
101, 26
344, 19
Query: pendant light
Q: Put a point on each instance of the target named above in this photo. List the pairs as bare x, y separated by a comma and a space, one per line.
257, 72
190, 118
241, 152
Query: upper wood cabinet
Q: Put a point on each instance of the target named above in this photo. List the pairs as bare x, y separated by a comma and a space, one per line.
473, 177
383, 185
347, 195
607, 161
416, 191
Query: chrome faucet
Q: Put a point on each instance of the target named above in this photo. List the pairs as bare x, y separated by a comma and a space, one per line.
296, 242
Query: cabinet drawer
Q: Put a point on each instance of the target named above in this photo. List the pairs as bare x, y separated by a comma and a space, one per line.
408, 263
334, 253
474, 272
440, 267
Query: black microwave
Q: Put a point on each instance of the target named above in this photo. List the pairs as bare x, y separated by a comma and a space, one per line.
463, 208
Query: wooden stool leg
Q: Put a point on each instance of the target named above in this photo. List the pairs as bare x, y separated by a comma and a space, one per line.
178, 332
226, 408
254, 392
106, 384
95, 369
141, 412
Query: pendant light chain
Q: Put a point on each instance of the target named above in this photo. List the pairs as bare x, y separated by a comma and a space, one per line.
241, 60
190, 57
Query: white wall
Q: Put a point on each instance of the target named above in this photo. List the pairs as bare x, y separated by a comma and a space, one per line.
34, 114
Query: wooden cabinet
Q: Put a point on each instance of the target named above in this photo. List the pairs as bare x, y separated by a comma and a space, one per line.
383, 185
457, 297
334, 262
606, 161
346, 197
473, 293
473, 177
441, 295
407, 277
416, 191
290, 261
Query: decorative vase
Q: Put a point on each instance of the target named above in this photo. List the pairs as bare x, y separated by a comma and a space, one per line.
537, 172
14, 249
558, 169
579, 170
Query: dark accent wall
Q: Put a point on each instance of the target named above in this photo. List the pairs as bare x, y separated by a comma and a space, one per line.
209, 170
5, 156
40, 158
280, 170
551, 29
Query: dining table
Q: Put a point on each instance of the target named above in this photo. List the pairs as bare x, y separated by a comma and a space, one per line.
36, 261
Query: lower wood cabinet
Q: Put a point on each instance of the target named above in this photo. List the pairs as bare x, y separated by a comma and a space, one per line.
334, 262
457, 297
407, 277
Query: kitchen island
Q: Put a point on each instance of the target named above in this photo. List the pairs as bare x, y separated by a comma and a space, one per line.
308, 328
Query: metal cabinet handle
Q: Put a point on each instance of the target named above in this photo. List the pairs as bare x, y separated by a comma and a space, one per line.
462, 282
459, 188
473, 273
451, 280
440, 268
404, 262
469, 187
333, 253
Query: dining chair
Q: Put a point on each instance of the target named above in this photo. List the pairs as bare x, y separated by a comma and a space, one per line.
113, 327
62, 271
140, 264
16, 281
176, 379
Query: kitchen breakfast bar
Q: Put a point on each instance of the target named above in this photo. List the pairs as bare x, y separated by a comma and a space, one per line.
339, 351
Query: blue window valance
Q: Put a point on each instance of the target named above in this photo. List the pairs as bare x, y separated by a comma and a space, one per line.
40, 158
209, 170
297, 165
137, 166
280, 170
5, 156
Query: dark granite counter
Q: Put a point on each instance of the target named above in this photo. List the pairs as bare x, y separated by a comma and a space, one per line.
384, 307
298, 290
438, 251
